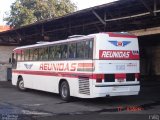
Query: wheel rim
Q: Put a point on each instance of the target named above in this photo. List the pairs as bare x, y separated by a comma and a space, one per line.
21, 85
64, 91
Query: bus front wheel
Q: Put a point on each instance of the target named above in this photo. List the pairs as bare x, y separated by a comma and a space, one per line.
20, 84
64, 91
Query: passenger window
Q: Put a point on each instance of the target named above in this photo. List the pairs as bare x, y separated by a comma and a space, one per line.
43, 53
52, 53
31, 55
72, 50
57, 52
80, 50
35, 53
26, 55
18, 52
64, 51
22, 55
91, 49
88, 49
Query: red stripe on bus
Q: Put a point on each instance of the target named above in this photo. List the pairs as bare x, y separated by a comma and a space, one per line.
120, 76
59, 74
112, 34
86, 65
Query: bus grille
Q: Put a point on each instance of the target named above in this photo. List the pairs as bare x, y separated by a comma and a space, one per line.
84, 85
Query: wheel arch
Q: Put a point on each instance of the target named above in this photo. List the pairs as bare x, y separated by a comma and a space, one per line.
19, 77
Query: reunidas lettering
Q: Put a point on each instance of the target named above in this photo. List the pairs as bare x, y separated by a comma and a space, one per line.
58, 66
115, 54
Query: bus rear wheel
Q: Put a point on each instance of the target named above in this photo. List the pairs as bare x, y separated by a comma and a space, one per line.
20, 84
64, 91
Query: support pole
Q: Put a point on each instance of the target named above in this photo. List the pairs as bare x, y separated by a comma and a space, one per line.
147, 7
155, 7
99, 18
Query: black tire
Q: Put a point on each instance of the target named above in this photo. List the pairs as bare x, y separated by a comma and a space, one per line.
64, 91
20, 84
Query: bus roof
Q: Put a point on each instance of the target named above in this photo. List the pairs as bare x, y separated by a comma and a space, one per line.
55, 42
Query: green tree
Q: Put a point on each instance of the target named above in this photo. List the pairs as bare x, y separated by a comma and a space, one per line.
24, 12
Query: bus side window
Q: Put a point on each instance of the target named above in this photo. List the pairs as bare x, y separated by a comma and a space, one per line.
86, 54
43, 53
31, 55
35, 53
57, 52
40, 53
72, 50
18, 53
89, 49
22, 55
51, 53
80, 50
64, 51
26, 54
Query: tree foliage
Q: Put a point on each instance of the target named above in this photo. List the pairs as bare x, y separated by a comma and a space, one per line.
25, 12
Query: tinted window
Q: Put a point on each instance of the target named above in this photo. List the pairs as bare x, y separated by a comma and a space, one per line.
18, 53
43, 53
35, 54
26, 54
72, 50
75, 50
64, 51
22, 56
31, 55
91, 49
57, 52
52, 53
88, 49
80, 49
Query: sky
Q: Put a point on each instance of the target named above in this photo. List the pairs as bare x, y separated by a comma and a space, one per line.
81, 4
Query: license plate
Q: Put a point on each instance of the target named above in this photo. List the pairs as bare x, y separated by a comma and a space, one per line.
120, 80
120, 89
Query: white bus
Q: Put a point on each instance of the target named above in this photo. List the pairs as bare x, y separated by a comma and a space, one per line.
96, 65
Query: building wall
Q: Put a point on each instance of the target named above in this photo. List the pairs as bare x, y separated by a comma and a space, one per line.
156, 60
5, 54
